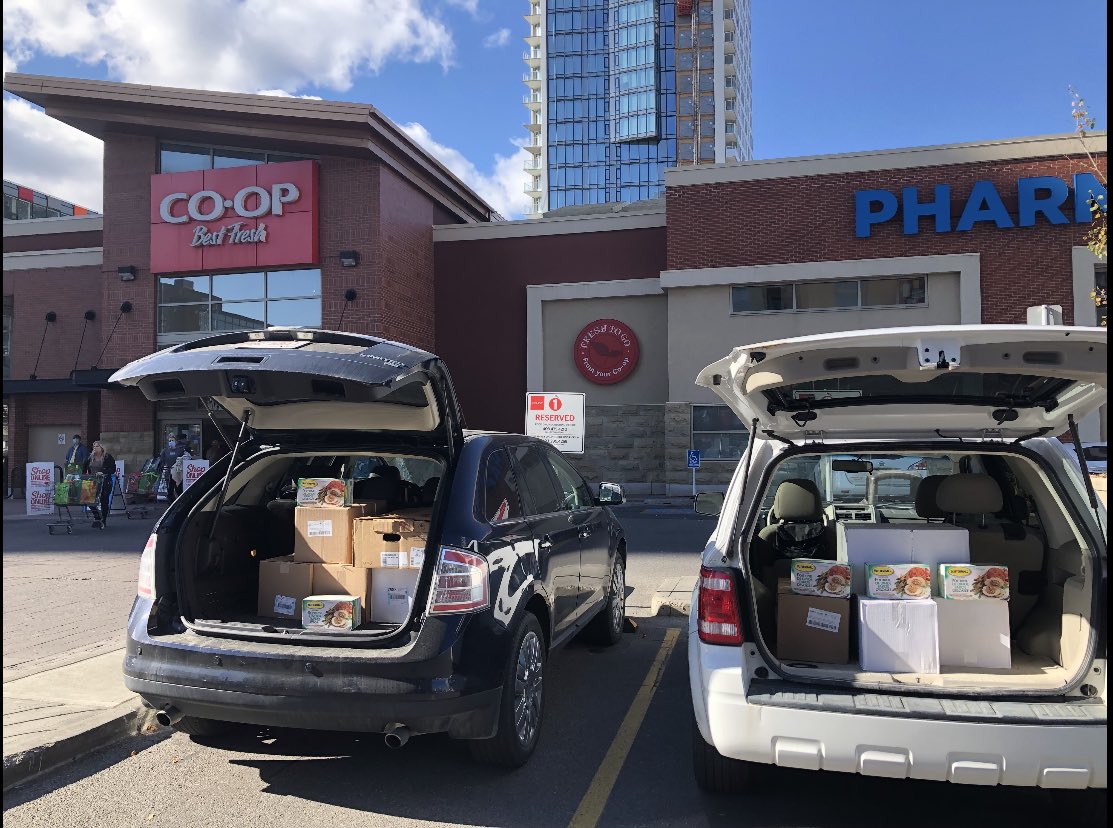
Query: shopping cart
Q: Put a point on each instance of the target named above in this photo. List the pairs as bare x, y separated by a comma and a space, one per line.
75, 490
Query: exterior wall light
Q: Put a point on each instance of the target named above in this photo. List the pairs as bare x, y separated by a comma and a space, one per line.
126, 273
349, 258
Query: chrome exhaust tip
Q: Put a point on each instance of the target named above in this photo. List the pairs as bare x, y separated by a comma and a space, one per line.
169, 716
396, 735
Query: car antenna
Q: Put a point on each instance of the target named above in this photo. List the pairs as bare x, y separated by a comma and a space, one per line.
228, 473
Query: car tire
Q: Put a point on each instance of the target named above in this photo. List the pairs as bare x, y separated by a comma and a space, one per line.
716, 773
205, 728
522, 694
606, 627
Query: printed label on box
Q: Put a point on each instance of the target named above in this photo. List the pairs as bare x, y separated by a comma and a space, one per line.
898, 581
396, 594
319, 529
823, 620
285, 605
417, 556
390, 560
971, 581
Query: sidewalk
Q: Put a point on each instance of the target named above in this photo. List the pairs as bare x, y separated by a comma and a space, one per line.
58, 715
62, 673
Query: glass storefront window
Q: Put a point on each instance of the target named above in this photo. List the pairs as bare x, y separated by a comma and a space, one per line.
810, 295
286, 283
297, 313
717, 433
174, 158
238, 316
183, 318
236, 158
239, 301
176, 290
238, 286
749, 298
847, 293
187, 157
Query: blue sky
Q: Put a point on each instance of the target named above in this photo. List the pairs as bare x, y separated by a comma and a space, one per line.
828, 76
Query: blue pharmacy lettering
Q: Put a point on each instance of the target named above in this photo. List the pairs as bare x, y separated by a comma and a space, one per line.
865, 217
913, 209
984, 204
1030, 202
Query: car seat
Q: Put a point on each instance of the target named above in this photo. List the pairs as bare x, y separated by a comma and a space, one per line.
968, 499
927, 494
797, 529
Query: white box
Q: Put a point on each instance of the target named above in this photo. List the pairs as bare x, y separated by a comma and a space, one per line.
392, 594
974, 634
938, 543
898, 636
871, 543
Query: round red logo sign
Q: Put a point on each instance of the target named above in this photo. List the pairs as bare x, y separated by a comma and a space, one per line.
606, 351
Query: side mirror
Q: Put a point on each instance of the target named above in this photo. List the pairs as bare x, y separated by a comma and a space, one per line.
709, 503
611, 494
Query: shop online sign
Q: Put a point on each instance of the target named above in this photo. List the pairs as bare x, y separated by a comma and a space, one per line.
40, 488
259, 216
192, 471
1037, 196
558, 419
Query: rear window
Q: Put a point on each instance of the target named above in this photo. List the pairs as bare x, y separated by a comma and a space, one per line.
1095, 453
543, 493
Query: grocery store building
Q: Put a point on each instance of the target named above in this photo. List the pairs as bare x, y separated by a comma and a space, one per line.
325, 214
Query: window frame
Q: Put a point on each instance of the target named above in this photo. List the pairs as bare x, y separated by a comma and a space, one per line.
692, 431
555, 458
185, 336
525, 493
215, 150
834, 309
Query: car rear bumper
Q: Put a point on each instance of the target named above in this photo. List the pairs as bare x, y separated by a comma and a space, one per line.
472, 716
895, 747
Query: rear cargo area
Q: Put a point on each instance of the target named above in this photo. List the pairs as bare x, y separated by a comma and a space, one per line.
953, 571
311, 545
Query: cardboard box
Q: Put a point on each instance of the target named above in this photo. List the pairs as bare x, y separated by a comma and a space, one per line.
811, 628
898, 581
392, 594
391, 541
974, 634
860, 544
829, 579
324, 491
330, 612
337, 579
898, 636
973, 581
283, 582
323, 534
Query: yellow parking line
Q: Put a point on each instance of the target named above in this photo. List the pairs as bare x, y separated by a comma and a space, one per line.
595, 800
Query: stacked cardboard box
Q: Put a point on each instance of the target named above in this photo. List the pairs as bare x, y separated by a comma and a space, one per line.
392, 547
812, 628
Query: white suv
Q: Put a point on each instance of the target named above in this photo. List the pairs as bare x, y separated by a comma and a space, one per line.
970, 415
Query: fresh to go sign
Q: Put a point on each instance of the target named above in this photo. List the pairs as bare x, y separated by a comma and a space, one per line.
1036, 196
240, 217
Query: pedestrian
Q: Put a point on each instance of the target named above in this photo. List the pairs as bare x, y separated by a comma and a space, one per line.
215, 452
77, 454
175, 448
103, 465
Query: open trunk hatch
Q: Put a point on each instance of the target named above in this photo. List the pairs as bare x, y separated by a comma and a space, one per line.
1014, 380
298, 381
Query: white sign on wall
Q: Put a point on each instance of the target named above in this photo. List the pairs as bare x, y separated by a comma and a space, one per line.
120, 472
40, 488
191, 471
557, 419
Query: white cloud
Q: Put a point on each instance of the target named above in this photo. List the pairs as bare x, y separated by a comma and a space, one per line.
52, 157
470, 6
496, 39
282, 93
231, 46
502, 188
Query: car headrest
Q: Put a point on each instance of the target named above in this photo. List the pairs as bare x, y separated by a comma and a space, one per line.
429, 490
798, 500
388, 471
376, 488
927, 505
970, 494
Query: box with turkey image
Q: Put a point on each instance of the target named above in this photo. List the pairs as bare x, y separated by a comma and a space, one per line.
830, 579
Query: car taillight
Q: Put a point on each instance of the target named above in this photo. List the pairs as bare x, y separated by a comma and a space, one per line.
719, 619
146, 587
460, 582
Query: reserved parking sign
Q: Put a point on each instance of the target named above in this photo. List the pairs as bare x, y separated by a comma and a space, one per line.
557, 419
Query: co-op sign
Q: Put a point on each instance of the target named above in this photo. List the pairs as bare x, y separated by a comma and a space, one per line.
239, 217
1037, 197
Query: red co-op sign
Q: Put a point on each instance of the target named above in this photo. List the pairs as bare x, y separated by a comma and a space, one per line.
240, 217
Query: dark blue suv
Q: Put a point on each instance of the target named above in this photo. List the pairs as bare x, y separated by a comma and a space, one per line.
520, 556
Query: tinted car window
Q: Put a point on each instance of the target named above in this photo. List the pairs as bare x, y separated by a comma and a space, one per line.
500, 489
575, 492
538, 481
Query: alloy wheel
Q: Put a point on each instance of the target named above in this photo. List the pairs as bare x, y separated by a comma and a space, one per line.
618, 596
528, 688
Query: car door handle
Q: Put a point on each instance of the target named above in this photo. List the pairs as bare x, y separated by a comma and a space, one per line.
545, 543
586, 531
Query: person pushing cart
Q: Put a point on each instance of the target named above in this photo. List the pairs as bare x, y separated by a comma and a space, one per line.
103, 465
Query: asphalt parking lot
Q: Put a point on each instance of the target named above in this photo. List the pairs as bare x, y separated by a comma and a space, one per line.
294, 778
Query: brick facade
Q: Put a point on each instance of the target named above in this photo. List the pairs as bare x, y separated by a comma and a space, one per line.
811, 219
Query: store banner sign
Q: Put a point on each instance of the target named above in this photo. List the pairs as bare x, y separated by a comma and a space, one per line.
40, 488
1038, 197
192, 471
261, 216
558, 419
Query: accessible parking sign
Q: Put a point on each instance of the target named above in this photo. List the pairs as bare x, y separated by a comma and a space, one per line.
557, 419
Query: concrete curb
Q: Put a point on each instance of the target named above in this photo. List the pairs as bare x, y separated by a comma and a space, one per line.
127, 719
673, 597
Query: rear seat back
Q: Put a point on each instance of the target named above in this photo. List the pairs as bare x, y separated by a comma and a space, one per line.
973, 498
